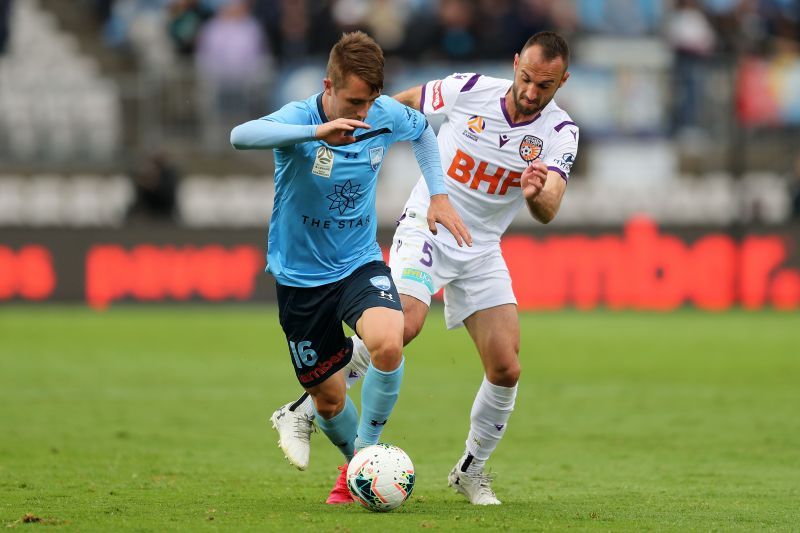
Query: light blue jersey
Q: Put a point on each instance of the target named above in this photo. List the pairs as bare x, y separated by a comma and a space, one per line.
323, 223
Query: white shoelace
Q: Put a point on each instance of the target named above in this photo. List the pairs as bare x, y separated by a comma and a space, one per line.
484, 482
301, 430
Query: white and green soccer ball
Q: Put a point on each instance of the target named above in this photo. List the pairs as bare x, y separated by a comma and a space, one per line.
380, 477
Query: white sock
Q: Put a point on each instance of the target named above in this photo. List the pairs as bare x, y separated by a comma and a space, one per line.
304, 405
356, 369
490, 412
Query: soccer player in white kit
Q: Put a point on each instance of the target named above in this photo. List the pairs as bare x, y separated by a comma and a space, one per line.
504, 144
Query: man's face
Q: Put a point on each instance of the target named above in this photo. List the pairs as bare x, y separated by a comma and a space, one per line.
352, 100
536, 80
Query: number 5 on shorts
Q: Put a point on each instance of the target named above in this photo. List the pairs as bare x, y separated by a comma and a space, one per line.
302, 354
427, 258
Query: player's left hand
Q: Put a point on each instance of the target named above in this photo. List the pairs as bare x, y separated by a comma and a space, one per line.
533, 179
441, 210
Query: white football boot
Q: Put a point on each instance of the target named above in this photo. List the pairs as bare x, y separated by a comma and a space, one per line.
294, 432
477, 487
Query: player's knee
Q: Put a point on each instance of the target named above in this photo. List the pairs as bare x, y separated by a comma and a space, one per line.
387, 354
505, 375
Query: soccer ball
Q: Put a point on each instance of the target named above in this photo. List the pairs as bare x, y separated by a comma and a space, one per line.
380, 477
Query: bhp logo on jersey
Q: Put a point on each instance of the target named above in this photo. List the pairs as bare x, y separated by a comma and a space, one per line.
437, 102
467, 170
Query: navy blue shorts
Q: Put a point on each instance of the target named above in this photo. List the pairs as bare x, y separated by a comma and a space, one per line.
311, 318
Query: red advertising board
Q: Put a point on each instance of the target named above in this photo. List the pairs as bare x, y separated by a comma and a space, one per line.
639, 267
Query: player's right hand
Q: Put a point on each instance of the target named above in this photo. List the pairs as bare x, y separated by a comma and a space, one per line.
442, 211
533, 179
337, 132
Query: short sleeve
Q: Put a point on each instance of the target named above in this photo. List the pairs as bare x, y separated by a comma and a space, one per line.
563, 149
439, 96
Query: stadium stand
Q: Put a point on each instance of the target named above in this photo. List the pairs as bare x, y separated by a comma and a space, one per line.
54, 102
77, 114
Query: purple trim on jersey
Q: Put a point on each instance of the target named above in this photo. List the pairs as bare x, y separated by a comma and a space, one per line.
402, 217
516, 124
563, 174
565, 123
422, 98
470, 83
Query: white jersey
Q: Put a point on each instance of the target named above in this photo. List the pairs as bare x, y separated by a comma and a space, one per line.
484, 153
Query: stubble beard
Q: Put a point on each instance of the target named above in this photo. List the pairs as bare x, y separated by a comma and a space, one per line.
525, 109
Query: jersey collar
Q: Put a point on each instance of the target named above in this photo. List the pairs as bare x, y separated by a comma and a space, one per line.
508, 117
320, 110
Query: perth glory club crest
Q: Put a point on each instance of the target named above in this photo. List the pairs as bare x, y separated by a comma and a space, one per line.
530, 148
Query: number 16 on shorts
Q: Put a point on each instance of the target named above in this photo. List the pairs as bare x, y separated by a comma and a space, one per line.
303, 354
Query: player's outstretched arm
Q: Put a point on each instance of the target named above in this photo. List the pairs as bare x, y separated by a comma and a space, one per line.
543, 190
265, 134
262, 134
410, 97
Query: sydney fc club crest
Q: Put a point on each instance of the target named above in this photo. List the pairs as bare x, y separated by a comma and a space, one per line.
530, 148
381, 282
375, 157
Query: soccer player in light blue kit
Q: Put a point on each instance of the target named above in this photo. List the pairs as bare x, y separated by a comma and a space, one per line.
322, 247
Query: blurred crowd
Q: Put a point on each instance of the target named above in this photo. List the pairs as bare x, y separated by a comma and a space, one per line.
290, 30
239, 53
228, 40
238, 46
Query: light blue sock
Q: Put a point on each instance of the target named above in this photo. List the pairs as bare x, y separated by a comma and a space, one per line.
378, 395
341, 429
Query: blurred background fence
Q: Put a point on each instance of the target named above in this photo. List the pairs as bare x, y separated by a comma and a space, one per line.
115, 116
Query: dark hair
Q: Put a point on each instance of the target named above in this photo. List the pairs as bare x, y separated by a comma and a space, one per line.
552, 44
356, 53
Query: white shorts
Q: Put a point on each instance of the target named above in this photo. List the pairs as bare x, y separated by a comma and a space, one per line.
473, 279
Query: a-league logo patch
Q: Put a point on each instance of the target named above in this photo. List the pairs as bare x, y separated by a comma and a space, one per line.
323, 162
381, 282
375, 157
476, 124
530, 148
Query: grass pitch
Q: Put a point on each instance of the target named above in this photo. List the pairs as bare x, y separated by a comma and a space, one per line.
155, 418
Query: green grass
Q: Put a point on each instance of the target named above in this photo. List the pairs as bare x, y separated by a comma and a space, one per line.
154, 418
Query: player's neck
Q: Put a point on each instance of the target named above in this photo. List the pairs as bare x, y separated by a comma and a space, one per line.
326, 106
